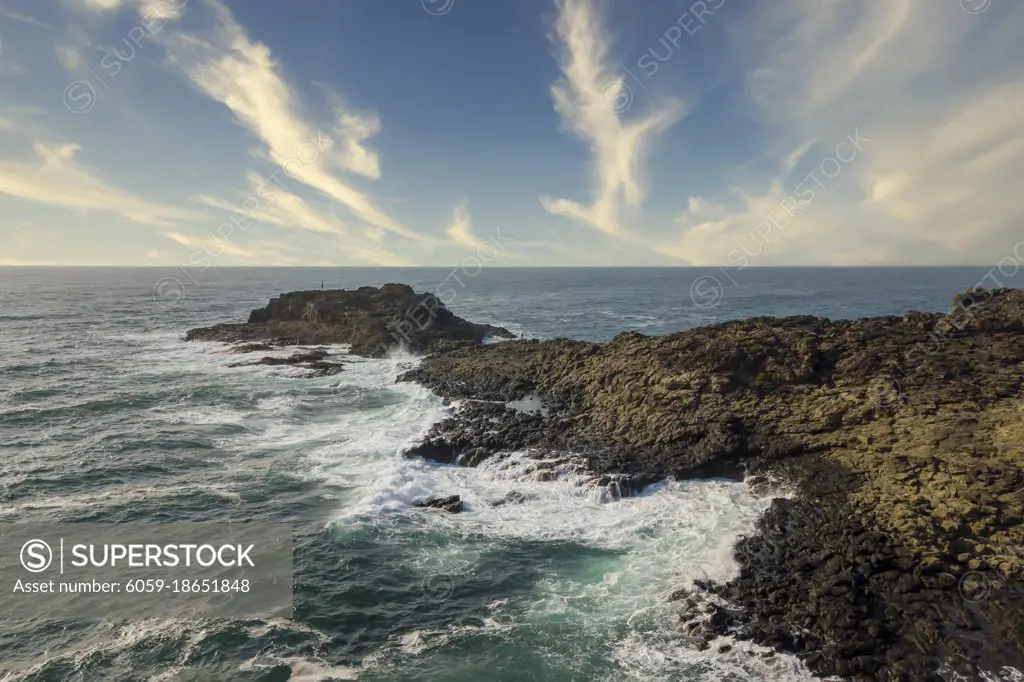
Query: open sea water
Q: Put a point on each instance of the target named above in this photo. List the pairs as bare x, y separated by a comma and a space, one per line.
107, 415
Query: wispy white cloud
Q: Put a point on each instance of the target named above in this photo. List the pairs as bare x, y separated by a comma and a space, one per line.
101, 5
149, 10
461, 229
795, 156
25, 19
230, 68
269, 202
932, 86
232, 251
589, 98
69, 56
57, 179
351, 130
161, 10
936, 89
495, 245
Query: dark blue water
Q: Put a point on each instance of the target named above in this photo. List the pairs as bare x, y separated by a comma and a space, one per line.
108, 416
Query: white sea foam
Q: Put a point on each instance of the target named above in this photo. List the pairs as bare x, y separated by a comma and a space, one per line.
218, 415
665, 538
124, 494
306, 670
646, 656
350, 430
116, 638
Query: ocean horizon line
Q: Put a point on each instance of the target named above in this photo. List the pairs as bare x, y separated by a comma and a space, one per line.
501, 267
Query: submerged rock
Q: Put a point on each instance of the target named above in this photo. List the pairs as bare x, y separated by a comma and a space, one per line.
252, 348
512, 497
312, 360
451, 504
901, 438
371, 320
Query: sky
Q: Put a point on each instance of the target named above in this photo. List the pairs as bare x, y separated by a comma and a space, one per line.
516, 132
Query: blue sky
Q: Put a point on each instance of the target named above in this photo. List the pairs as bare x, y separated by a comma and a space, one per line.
521, 132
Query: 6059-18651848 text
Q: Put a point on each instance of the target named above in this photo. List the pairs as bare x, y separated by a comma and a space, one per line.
107, 571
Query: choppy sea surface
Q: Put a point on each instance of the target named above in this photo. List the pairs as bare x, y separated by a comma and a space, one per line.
107, 415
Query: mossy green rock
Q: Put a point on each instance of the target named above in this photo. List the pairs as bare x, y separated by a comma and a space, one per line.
901, 438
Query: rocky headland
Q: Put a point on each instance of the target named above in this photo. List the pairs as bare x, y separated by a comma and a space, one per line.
893, 448
896, 553
372, 320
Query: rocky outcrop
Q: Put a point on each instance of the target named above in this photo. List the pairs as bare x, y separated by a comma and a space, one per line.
372, 320
903, 436
314, 360
451, 504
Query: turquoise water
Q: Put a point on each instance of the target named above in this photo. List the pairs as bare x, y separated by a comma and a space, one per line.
108, 416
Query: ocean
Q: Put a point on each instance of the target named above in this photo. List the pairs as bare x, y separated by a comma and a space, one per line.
107, 415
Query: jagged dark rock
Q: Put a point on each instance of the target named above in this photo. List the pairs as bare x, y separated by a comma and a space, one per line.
451, 504
252, 348
312, 360
372, 320
512, 497
902, 436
